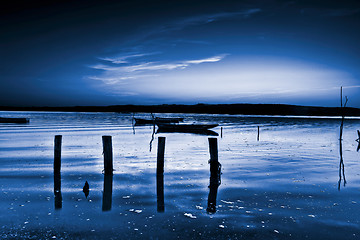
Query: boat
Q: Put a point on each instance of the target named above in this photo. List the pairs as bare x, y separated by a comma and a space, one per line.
13, 120
185, 127
199, 132
142, 121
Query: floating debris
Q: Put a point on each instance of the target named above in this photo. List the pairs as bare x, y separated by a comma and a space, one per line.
189, 215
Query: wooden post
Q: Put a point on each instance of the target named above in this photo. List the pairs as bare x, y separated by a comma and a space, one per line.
213, 148
160, 175
258, 136
221, 132
160, 155
108, 155
57, 154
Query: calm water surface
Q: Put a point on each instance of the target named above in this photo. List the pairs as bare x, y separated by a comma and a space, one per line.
284, 186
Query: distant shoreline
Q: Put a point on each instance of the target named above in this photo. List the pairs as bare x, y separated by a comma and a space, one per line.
233, 109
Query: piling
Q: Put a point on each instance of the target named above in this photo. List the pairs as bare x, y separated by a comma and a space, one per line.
57, 154
108, 155
213, 148
160, 155
160, 175
258, 136
221, 130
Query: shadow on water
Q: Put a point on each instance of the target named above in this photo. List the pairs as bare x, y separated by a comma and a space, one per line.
107, 192
57, 191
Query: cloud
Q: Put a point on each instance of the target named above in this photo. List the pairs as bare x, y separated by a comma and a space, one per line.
114, 75
124, 58
208, 18
157, 66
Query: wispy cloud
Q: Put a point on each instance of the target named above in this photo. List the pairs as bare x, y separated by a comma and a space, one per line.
156, 66
208, 18
121, 74
124, 58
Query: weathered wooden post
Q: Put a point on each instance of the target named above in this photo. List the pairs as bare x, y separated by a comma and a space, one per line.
107, 192
258, 136
108, 154
215, 171
57, 154
160, 175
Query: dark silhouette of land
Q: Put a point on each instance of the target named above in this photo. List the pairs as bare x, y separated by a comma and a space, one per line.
246, 109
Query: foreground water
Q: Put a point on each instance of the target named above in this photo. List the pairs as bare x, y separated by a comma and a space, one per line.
287, 185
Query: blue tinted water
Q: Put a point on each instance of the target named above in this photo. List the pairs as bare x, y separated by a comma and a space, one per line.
284, 186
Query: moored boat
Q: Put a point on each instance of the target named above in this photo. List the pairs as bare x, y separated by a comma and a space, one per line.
157, 120
186, 127
13, 120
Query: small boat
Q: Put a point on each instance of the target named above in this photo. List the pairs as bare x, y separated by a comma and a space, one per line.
199, 132
185, 127
13, 120
142, 121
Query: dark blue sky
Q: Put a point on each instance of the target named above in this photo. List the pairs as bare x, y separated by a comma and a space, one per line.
153, 52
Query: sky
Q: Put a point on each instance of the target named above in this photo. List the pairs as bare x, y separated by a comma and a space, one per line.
89, 52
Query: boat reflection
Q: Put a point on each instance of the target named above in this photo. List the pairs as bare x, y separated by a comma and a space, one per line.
57, 191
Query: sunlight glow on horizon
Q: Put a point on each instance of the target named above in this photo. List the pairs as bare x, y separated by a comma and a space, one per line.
235, 79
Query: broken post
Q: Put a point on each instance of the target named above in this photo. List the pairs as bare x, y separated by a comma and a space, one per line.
160, 175
108, 155
57, 154
215, 171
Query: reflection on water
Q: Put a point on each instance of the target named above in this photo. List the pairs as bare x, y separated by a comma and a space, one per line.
341, 166
57, 191
107, 192
86, 189
160, 192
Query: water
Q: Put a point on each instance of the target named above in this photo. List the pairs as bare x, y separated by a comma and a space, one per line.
284, 186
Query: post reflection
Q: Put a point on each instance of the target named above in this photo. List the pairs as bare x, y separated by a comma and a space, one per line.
57, 191
107, 192
215, 181
160, 192
341, 167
